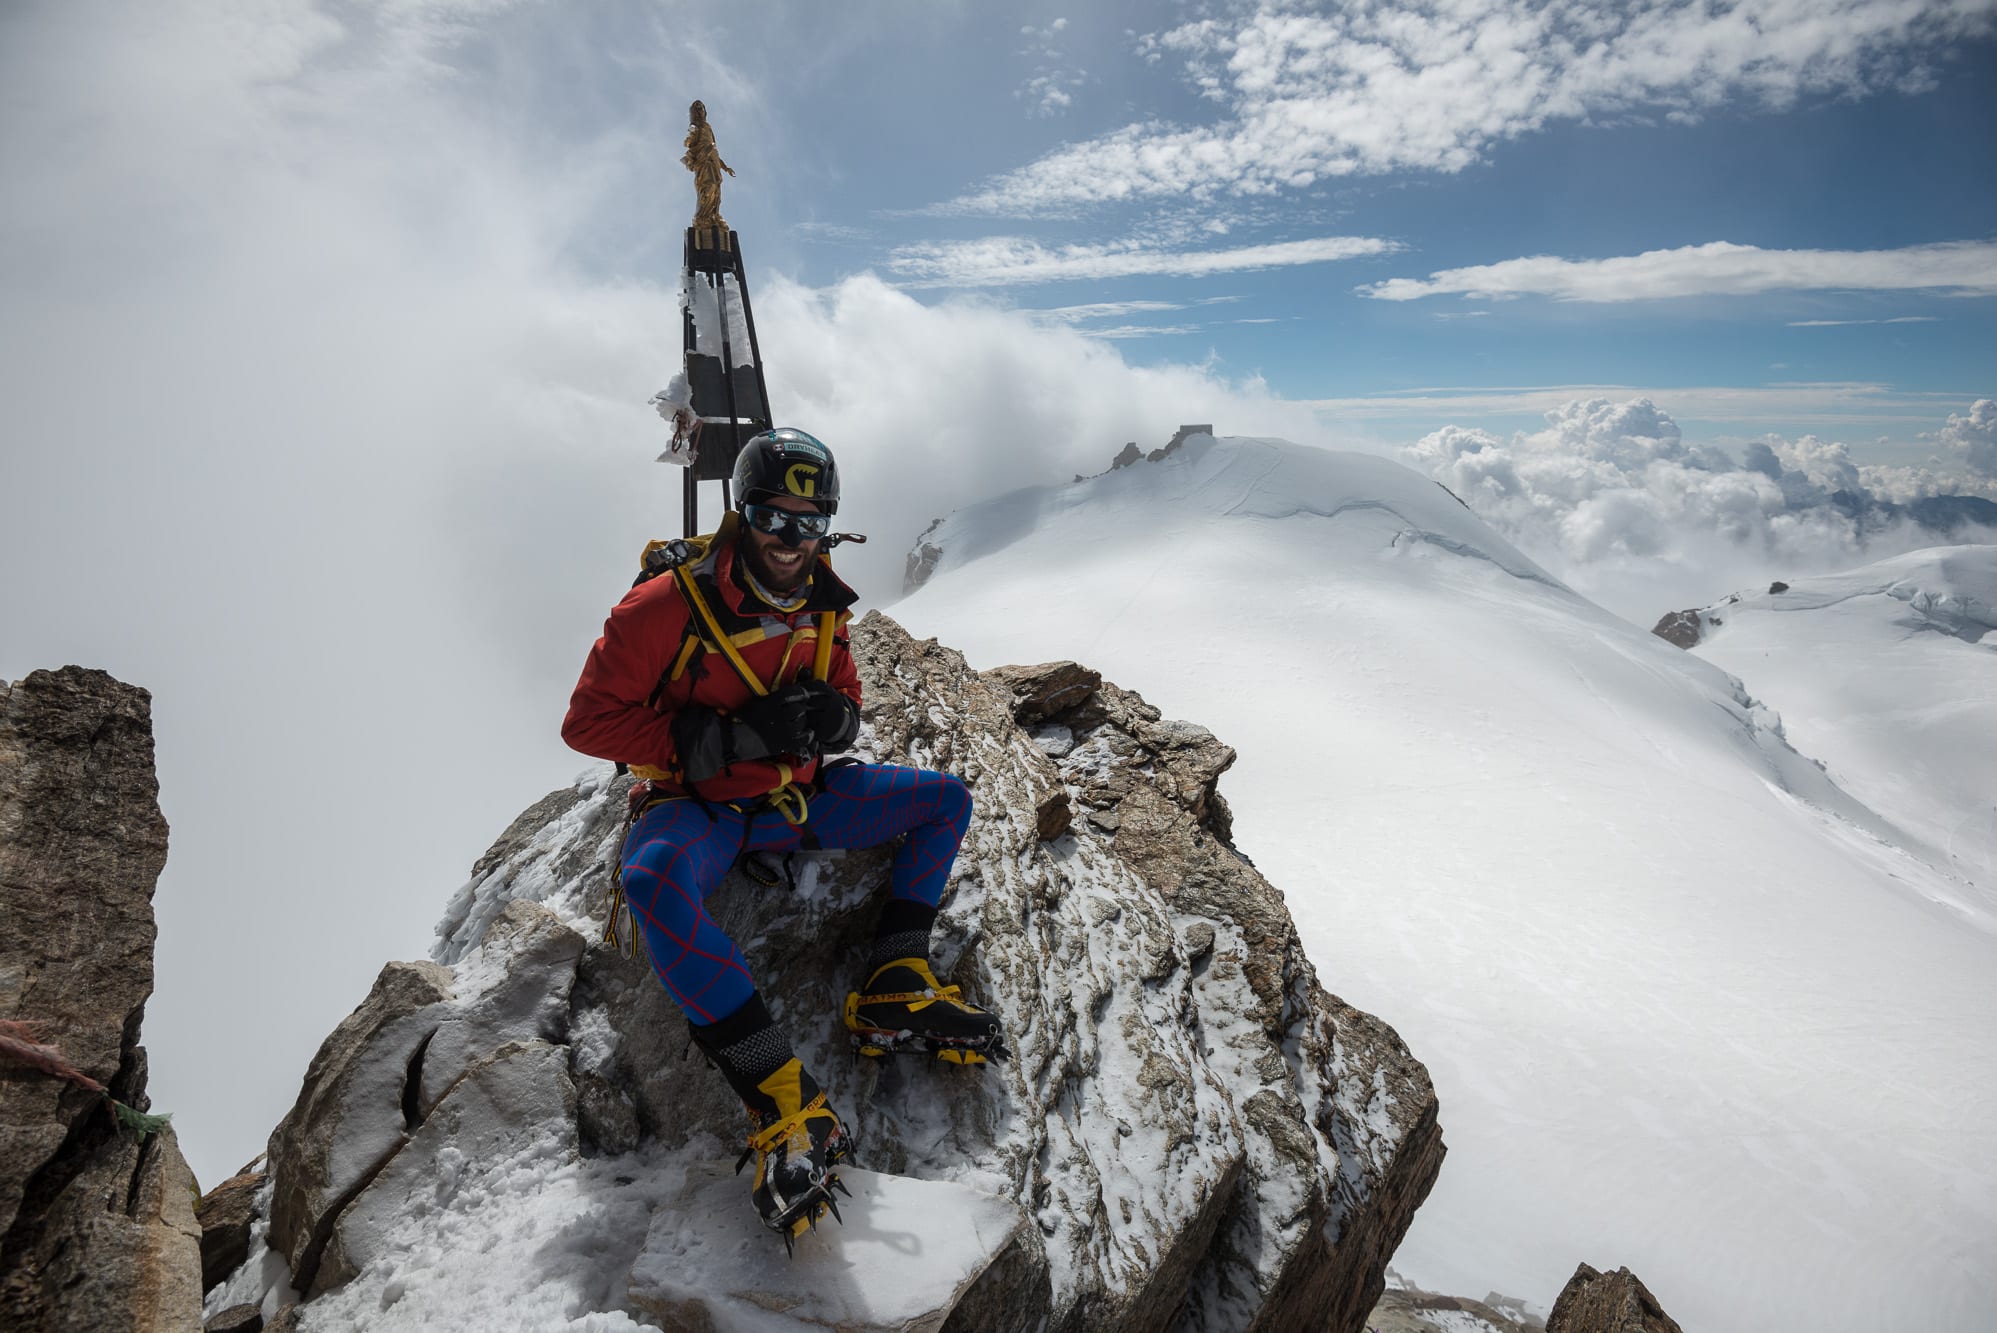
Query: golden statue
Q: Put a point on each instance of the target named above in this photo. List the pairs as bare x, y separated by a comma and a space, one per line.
703, 159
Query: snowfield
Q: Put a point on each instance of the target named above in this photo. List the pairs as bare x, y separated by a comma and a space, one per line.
1889, 675
1691, 1005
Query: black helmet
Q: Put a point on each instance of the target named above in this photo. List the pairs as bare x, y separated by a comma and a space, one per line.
786, 462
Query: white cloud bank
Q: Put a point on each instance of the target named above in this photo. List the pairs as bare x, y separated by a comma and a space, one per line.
1612, 498
1004, 261
1431, 85
316, 433
1956, 268
934, 407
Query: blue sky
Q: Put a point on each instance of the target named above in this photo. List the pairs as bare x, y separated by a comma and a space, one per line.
894, 146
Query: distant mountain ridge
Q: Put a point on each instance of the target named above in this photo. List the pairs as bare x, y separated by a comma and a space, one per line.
1944, 515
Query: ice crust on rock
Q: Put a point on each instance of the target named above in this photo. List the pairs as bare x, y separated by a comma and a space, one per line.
1191, 1133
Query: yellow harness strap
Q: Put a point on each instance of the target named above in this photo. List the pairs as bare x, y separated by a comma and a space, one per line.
821, 660
720, 641
786, 798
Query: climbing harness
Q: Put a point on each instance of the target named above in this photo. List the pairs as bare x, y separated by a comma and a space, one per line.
676, 558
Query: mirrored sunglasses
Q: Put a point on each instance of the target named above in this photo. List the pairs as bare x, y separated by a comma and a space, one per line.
775, 521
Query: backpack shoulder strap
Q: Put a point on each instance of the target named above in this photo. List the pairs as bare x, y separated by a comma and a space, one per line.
709, 628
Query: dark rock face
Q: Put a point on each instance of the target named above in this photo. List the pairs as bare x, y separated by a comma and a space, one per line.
96, 1228
921, 562
1615, 1302
1678, 627
236, 1319
1041, 693
1054, 816
225, 1213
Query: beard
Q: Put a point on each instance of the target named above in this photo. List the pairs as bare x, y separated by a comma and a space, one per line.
777, 580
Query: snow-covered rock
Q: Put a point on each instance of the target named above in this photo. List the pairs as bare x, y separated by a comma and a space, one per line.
1191, 1133
884, 1269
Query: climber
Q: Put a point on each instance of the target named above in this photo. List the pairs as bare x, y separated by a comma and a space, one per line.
721, 679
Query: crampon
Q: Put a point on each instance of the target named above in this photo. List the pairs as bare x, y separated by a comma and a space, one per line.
905, 1008
794, 1156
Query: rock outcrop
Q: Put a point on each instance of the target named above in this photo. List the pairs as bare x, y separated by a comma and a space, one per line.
1615, 1302
1192, 1133
1680, 628
97, 1226
922, 558
226, 1214
486, 1044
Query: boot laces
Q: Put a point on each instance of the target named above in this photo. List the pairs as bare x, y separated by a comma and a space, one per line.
764, 1141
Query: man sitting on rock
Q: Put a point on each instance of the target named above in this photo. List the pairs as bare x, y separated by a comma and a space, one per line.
720, 680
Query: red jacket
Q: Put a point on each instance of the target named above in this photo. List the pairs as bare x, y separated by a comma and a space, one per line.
657, 655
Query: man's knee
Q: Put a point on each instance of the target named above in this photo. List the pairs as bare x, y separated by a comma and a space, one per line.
953, 800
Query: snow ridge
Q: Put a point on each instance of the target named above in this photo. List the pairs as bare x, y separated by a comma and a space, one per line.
1888, 674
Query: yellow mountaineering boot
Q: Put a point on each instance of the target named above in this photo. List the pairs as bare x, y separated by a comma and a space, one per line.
904, 1007
796, 1142
795, 1139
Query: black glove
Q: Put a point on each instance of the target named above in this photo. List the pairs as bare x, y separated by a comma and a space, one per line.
835, 719
779, 721
775, 723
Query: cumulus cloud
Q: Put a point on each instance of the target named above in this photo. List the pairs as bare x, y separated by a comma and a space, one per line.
1432, 85
1613, 498
1000, 261
1957, 268
1975, 437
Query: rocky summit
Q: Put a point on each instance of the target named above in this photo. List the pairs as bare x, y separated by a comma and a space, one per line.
1192, 1132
